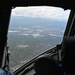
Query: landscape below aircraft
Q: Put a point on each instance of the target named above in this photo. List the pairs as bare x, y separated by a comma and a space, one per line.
47, 63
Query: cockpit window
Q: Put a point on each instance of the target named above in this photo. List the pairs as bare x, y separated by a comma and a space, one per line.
34, 30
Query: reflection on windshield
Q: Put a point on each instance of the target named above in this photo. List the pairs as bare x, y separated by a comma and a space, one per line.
34, 30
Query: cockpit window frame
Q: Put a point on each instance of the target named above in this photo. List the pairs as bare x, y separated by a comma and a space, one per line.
70, 28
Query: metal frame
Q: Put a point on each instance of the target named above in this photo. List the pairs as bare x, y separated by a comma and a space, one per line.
4, 24
70, 24
66, 4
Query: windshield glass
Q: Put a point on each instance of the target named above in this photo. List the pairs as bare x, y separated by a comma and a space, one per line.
34, 30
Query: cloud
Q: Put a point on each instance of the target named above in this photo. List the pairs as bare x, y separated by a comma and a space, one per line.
41, 11
24, 34
10, 31
36, 35
55, 35
22, 46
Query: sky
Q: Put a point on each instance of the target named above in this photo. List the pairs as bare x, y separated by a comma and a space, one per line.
41, 12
